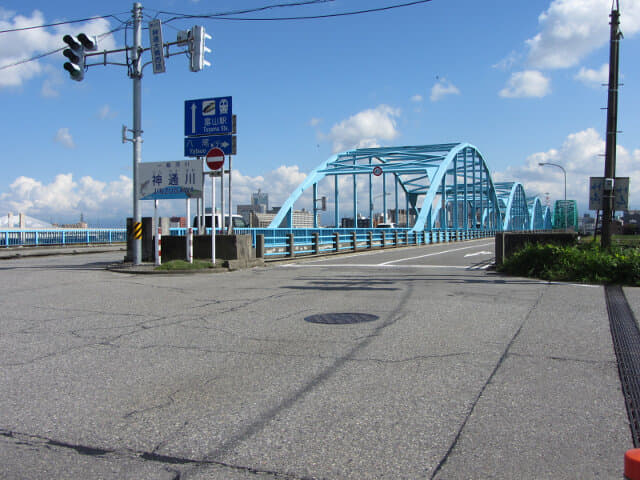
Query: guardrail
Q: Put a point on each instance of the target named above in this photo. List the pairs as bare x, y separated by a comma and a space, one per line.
61, 236
290, 242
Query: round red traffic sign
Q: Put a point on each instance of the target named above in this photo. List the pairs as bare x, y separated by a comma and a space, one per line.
215, 159
377, 171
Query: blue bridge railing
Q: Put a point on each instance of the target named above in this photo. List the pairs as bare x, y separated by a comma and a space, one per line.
278, 242
61, 236
289, 242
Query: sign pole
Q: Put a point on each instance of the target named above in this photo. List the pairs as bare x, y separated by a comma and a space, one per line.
156, 228
189, 232
222, 200
230, 227
213, 219
203, 222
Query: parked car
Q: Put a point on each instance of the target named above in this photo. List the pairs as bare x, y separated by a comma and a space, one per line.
386, 225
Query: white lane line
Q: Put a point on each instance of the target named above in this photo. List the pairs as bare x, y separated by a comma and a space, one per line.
483, 252
367, 265
435, 253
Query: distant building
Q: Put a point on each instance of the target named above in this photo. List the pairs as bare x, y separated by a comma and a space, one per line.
586, 224
363, 222
245, 212
301, 218
260, 202
72, 225
631, 216
177, 222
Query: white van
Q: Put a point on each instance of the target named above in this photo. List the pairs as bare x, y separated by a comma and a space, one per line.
386, 225
238, 221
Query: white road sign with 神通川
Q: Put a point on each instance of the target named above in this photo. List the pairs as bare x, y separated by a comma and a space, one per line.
170, 180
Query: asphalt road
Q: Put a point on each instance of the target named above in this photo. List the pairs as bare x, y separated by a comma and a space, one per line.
406, 363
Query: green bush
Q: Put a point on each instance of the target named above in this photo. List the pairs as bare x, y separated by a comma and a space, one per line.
585, 263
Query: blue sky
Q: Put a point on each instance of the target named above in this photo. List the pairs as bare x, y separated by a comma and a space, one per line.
519, 80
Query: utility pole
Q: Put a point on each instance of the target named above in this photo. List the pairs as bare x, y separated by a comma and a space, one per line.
136, 74
612, 127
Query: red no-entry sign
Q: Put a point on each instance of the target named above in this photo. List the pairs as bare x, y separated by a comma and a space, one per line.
215, 159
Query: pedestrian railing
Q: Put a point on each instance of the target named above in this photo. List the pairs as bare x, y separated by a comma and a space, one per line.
61, 236
294, 242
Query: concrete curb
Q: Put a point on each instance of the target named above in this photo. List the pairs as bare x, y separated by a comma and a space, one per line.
222, 266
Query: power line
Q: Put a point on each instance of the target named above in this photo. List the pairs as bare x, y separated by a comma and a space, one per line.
307, 17
180, 16
33, 27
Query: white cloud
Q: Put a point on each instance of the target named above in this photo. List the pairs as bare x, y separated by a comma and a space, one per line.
593, 78
442, 88
25, 44
529, 83
66, 198
105, 112
365, 129
581, 156
508, 62
64, 138
314, 122
417, 98
571, 29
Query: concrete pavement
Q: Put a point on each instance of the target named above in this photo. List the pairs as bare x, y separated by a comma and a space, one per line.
464, 373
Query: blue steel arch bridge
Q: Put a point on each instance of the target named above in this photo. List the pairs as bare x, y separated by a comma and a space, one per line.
445, 188
446, 192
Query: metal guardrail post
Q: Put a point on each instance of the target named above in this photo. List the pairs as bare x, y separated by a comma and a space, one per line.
290, 244
336, 242
384, 239
260, 245
316, 243
395, 239
354, 241
370, 240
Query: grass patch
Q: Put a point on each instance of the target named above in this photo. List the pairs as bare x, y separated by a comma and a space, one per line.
583, 263
184, 265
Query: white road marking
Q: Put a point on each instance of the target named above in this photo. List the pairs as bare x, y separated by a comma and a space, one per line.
435, 253
477, 253
368, 265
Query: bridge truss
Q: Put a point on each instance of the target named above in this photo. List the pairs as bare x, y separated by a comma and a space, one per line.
441, 187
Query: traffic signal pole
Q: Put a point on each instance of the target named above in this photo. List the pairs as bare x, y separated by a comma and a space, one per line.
82, 47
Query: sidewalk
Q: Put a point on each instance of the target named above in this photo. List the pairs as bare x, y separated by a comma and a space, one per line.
19, 252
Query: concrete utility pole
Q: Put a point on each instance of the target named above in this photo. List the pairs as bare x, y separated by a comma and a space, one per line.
136, 74
612, 127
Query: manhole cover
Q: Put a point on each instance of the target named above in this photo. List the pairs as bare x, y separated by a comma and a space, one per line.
341, 318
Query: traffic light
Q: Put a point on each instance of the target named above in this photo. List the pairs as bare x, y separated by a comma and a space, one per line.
76, 54
197, 48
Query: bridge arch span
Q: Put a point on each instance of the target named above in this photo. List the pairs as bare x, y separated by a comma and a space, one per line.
444, 187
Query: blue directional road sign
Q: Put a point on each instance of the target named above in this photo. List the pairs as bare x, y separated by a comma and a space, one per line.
199, 146
207, 116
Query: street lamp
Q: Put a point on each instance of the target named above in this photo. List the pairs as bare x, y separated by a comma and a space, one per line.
542, 164
371, 205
